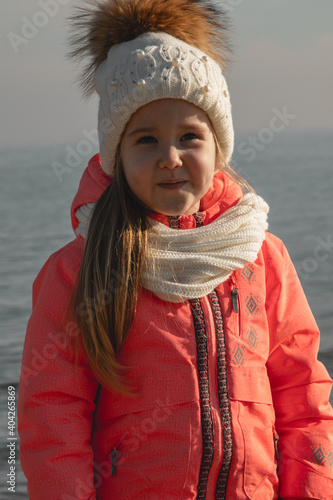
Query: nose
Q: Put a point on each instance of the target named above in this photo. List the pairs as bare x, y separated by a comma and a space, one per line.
170, 158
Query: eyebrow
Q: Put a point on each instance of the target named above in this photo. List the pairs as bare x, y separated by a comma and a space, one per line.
144, 130
183, 126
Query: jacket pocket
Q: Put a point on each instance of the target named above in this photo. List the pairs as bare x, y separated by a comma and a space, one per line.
254, 455
256, 421
151, 454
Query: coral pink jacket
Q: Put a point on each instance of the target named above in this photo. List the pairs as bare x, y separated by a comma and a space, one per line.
228, 387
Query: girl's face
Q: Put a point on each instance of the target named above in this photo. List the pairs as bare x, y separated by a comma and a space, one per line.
168, 154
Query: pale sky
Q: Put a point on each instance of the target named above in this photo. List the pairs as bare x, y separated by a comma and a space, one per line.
283, 51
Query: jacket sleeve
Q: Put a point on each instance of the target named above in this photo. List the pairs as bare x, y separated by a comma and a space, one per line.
300, 384
56, 392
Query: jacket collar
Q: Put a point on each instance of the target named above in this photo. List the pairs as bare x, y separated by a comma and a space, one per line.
222, 195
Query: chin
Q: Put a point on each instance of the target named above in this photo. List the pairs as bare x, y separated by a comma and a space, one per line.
174, 213
180, 209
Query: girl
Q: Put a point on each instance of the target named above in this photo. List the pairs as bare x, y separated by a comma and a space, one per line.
171, 353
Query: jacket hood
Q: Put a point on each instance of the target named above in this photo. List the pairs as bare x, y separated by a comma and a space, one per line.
92, 185
222, 195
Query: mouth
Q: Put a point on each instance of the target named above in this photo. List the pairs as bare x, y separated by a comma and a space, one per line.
172, 184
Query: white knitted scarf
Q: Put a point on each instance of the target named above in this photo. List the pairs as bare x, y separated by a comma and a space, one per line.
190, 263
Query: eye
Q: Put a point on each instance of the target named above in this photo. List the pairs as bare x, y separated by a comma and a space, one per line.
190, 136
147, 139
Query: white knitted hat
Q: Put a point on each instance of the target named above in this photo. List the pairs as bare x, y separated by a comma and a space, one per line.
158, 66
139, 51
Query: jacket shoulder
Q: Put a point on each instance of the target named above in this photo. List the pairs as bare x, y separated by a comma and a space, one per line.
64, 265
277, 262
70, 254
273, 248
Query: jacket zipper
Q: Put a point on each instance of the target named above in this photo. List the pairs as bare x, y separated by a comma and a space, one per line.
113, 455
214, 400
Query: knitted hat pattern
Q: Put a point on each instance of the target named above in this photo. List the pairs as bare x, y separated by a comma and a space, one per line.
158, 66
149, 63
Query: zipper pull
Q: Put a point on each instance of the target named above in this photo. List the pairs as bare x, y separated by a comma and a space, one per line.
113, 461
276, 439
234, 295
114, 457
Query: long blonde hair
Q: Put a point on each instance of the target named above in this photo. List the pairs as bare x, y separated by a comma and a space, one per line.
109, 278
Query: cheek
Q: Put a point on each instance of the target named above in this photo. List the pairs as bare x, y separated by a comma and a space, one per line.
206, 185
136, 164
207, 169
131, 167
138, 178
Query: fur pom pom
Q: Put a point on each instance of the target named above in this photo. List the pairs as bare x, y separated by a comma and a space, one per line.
100, 25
